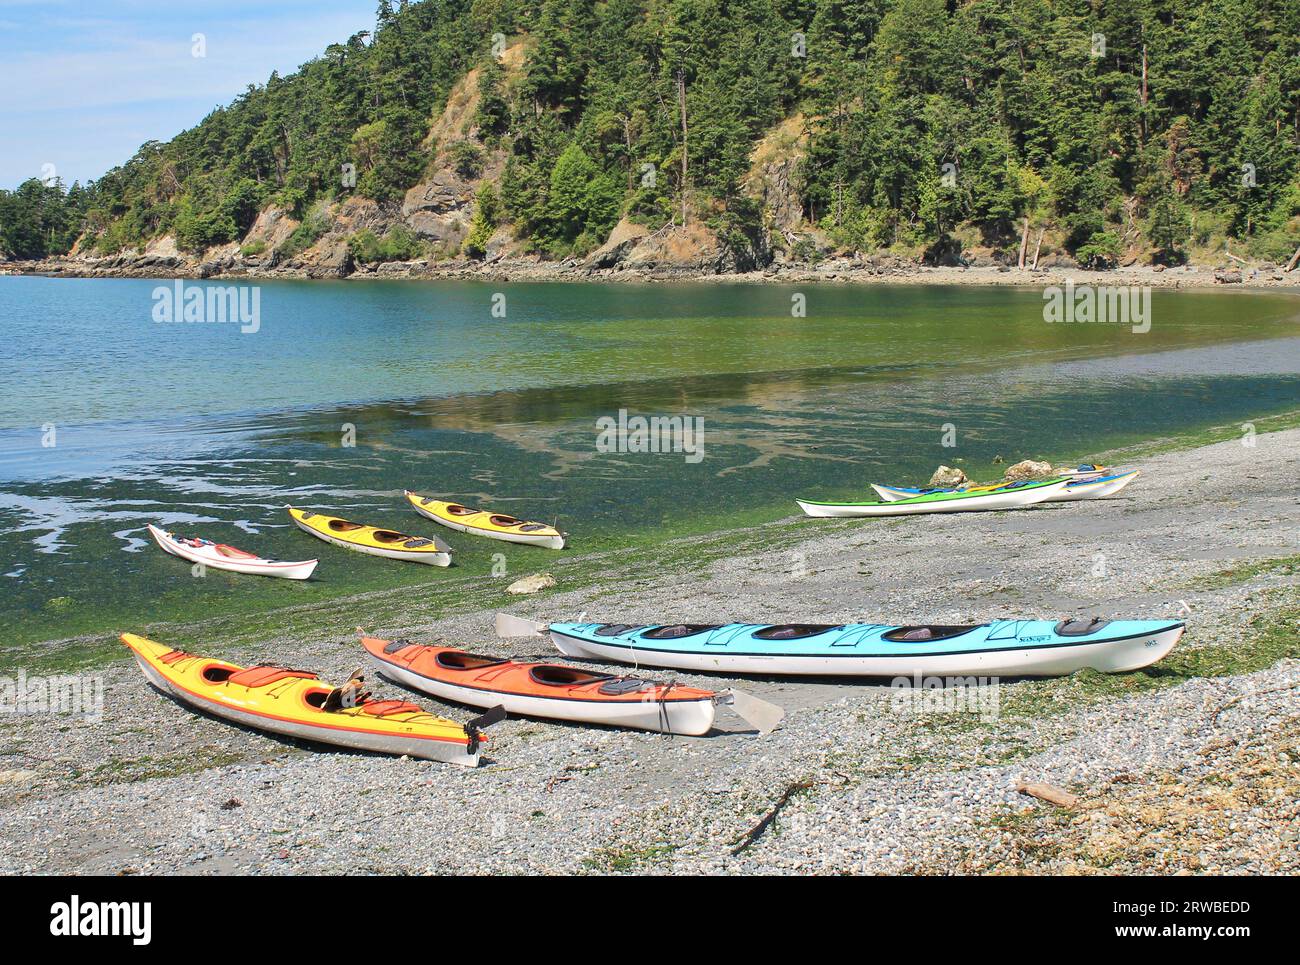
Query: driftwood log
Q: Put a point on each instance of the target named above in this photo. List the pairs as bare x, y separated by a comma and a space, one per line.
1050, 794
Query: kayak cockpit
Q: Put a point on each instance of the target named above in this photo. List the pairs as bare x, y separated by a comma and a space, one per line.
253, 677
677, 631
617, 629
459, 660
927, 632
1079, 627
234, 553
552, 675
794, 631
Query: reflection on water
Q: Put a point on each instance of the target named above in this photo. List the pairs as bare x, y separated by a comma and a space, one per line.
73, 517
86, 350
212, 431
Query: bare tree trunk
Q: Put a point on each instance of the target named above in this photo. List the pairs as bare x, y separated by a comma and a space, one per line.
627, 141
1024, 243
1038, 247
681, 106
1295, 260
1143, 119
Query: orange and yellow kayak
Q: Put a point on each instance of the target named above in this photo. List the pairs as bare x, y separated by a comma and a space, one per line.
292, 703
481, 522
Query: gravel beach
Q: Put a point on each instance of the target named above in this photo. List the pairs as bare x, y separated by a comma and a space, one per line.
1188, 766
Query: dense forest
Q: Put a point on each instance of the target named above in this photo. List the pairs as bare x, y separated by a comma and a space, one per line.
927, 125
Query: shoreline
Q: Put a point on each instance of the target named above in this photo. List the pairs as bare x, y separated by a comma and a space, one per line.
1203, 528
831, 271
463, 592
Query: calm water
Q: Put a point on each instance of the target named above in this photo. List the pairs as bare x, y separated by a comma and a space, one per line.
211, 430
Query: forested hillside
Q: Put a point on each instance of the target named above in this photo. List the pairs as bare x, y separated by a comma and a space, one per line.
924, 127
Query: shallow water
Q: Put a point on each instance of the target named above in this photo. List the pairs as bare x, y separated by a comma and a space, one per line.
209, 430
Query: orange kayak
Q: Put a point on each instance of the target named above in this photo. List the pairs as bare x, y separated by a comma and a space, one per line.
546, 689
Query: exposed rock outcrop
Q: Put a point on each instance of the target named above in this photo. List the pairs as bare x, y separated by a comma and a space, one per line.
1028, 469
622, 240
946, 477
441, 208
673, 248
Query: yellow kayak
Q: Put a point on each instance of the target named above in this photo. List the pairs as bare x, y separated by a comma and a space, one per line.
481, 522
292, 703
371, 539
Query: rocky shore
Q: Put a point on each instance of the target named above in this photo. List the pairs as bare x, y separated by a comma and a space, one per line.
1186, 767
336, 264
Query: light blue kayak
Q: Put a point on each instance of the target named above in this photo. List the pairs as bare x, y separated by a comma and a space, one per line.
1010, 648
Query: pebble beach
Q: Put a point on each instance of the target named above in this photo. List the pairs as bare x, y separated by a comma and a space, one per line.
1189, 766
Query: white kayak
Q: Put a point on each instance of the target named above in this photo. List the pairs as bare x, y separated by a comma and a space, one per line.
1075, 489
222, 557
1086, 471
1011, 496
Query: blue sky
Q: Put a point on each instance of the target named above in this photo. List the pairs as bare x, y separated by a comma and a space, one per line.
83, 84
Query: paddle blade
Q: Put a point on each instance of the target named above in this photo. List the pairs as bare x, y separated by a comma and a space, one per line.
474, 728
493, 716
759, 714
512, 626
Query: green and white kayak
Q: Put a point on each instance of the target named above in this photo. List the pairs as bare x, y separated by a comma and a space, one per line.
1010, 496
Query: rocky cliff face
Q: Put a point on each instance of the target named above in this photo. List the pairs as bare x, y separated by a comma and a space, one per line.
439, 211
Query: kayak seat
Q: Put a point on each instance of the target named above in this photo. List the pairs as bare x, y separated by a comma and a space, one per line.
794, 631
678, 630
922, 634
498, 520
389, 536
460, 660
343, 526
1079, 627
386, 708
262, 676
553, 675
458, 510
